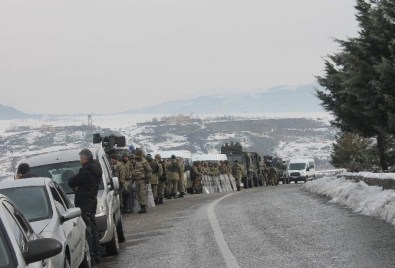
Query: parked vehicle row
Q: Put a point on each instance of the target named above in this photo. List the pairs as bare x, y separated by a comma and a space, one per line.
46, 206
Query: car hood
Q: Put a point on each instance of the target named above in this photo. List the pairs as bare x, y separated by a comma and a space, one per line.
39, 226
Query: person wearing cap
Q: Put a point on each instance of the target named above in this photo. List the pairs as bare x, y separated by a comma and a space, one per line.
86, 185
142, 174
24, 172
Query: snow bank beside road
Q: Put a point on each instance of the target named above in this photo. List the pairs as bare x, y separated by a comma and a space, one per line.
382, 176
360, 197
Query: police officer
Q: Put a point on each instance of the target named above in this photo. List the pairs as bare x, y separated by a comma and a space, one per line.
162, 179
173, 170
273, 177
142, 174
237, 172
155, 167
181, 181
118, 170
196, 177
127, 187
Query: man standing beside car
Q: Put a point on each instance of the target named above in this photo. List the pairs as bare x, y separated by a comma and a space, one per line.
86, 185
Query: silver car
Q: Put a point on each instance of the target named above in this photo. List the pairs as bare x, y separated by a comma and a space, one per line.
61, 165
20, 246
51, 215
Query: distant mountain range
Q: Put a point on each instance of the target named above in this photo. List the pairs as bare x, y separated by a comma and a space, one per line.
7, 112
278, 99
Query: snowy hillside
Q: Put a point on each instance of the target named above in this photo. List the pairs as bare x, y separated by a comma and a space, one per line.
280, 135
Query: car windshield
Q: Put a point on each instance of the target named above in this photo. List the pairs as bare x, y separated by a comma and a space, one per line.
61, 172
32, 201
5, 255
297, 166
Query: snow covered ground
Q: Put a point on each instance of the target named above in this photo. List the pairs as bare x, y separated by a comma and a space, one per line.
360, 197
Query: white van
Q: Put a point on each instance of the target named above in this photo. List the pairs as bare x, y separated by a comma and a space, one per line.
301, 169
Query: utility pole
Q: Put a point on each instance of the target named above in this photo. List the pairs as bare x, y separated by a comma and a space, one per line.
89, 120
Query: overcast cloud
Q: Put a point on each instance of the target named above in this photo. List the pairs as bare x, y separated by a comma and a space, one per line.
62, 56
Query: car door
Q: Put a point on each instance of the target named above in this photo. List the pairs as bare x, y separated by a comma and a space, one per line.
20, 230
112, 196
73, 229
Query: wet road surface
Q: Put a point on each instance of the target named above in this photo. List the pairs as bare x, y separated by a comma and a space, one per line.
281, 226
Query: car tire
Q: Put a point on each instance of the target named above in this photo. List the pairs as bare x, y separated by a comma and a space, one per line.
86, 262
121, 235
112, 247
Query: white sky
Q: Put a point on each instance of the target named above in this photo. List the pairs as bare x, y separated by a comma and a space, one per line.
79, 56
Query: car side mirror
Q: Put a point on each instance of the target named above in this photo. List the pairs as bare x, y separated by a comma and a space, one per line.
41, 249
71, 213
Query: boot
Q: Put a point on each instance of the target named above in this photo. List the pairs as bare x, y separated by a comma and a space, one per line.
238, 188
143, 209
156, 201
160, 201
181, 195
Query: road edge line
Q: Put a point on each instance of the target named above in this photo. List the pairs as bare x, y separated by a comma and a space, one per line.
230, 259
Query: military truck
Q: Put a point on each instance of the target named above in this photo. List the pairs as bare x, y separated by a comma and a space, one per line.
252, 163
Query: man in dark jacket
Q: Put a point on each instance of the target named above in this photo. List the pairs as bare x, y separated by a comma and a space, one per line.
86, 185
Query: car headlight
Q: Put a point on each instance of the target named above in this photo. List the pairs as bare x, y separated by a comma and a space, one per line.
101, 208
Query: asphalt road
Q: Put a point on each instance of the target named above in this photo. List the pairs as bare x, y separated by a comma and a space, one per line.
281, 226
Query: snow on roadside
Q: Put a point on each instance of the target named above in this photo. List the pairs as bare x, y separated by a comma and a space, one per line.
360, 197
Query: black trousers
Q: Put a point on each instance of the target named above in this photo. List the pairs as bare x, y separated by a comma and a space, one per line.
93, 235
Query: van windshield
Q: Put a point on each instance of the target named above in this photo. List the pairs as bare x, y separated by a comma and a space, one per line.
61, 172
297, 166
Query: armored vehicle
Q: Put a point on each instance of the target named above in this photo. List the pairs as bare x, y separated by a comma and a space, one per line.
252, 163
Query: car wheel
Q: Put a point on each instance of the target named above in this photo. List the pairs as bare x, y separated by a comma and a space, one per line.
86, 262
121, 236
112, 248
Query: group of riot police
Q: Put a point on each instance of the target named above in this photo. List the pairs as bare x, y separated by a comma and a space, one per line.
137, 171
167, 179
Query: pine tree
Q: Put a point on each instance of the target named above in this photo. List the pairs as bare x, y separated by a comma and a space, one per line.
353, 80
353, 152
